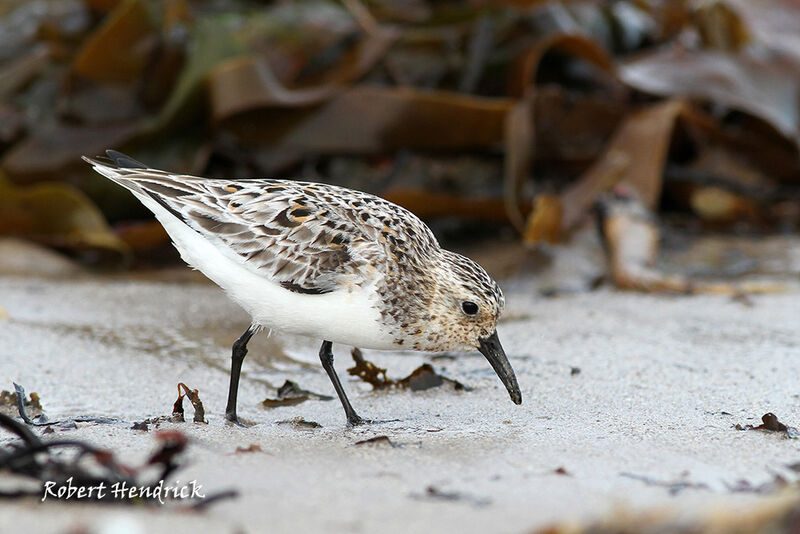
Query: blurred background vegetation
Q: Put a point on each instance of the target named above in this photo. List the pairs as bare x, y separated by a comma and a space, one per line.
517, 120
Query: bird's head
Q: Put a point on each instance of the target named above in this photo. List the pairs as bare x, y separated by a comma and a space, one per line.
463, 315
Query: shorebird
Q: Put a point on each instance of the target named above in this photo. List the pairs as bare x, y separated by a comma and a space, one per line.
322, 261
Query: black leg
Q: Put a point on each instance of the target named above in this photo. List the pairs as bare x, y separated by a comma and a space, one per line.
326, 357
238, 353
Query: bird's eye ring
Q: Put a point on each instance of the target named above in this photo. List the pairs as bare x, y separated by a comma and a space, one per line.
470, 308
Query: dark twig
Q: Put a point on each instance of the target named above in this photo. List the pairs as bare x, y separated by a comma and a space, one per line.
19, 429
21, 408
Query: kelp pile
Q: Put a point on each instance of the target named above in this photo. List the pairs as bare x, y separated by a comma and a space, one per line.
510, 112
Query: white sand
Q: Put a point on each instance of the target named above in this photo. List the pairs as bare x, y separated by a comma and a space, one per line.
656, 375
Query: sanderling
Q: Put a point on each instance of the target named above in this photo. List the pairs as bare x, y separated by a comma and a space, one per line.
325, 262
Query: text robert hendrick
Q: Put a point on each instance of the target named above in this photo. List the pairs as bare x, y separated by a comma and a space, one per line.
121, 490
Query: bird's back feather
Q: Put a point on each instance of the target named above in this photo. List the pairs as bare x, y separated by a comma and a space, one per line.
308, 237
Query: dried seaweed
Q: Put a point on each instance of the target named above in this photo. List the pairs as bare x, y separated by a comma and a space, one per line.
368, 371
42, 420
620, 99
631, 237
83, 468
194, 397
422, 378
177, 409
9, 403
770, 423
290, 394
300, 422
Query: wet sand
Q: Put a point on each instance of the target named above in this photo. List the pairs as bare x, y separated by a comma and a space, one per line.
630, 401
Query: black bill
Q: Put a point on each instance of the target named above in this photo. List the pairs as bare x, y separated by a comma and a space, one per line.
493, 350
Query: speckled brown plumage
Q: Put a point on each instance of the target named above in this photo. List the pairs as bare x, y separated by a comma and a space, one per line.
315, 238
322, 261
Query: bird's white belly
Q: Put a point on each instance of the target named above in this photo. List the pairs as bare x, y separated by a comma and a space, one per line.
344, 316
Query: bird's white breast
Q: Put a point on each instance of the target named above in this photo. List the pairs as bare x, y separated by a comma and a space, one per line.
348, 315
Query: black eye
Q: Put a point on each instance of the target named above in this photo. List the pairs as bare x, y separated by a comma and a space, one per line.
470, 308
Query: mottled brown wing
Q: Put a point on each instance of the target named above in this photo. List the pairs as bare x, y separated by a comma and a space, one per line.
304, 236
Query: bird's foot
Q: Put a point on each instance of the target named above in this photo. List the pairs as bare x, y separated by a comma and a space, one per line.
234, 419
355, 420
